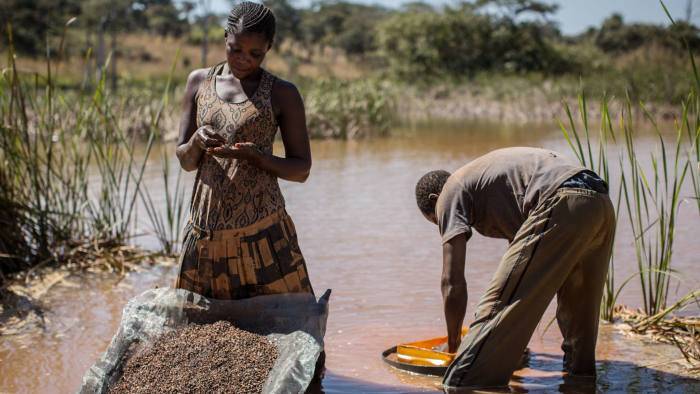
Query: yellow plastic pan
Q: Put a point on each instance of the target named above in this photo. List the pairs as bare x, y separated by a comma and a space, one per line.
421, 356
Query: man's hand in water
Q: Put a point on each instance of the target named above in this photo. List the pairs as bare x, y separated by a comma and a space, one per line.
445, 347
454, 289
453, 345
241, 151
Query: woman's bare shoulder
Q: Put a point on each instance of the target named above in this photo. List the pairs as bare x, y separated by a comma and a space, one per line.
284, 91
197, 76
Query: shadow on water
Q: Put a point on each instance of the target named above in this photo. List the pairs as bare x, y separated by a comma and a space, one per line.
335, 384
543, 373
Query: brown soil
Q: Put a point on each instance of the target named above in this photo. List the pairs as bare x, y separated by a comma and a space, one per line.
211, 358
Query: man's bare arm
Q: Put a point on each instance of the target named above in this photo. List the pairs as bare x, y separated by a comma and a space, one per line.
454, 288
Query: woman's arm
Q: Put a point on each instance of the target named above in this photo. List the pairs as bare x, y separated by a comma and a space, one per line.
291, 117
193, 142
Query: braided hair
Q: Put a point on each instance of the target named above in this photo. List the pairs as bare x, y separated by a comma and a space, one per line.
250, 17
430, 183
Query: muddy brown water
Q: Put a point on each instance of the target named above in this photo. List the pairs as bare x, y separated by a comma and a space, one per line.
363, 236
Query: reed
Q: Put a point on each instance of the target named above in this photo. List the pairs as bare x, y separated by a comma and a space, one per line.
651, 196
71, 173
652, 199
596, 158
44, 170
691, 117
120, 173
167, 222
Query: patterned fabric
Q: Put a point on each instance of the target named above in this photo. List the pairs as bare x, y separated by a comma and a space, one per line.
239, 241
228, 193
263, 258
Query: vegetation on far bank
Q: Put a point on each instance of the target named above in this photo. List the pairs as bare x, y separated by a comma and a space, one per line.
477, 46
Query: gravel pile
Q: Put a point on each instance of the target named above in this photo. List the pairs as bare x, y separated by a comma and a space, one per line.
211, 358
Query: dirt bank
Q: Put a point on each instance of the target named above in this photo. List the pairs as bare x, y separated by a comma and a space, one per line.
528, 106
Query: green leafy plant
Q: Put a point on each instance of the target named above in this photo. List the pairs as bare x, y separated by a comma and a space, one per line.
349, 109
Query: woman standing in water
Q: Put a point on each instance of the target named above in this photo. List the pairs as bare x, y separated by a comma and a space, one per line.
239, 241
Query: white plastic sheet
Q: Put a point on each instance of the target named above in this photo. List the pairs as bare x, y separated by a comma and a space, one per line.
295, 322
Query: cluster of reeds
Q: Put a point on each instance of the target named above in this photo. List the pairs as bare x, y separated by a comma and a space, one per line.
71, 174
652, 201
651, 194
692, 122
167, 221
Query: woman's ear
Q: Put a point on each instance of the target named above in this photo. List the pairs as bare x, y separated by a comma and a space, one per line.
433, 197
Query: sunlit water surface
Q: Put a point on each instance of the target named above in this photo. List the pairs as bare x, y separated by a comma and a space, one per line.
363, 236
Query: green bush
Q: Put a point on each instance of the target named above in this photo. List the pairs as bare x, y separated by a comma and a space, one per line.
196, 36
614, 36
461, 42
342, 25
349, 109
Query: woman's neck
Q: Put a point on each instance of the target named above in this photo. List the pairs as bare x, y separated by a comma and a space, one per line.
253, 76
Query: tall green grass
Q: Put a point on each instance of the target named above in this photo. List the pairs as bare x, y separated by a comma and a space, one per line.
44, 170
691, 116
691, 112
166, 223
652, 193
70, 172
120, 172
652, 198
167, 219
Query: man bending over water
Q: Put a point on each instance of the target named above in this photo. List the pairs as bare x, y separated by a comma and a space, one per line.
560, 224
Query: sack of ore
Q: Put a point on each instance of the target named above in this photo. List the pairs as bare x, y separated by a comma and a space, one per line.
200, 358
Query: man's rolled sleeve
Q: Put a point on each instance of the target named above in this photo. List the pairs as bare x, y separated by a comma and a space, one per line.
453, 211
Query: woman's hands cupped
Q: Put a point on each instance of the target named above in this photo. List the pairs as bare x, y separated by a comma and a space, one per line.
206, 138
241, 151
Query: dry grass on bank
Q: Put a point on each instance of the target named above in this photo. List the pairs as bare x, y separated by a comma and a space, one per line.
682, 332
143, 57
21, 295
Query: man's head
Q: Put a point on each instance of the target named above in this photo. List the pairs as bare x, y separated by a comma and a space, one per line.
428, 190
250, 32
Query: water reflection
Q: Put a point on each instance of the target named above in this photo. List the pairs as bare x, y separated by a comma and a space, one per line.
335, 384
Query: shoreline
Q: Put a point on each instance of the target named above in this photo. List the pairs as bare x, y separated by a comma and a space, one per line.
466, 107
527, 107
29, 323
